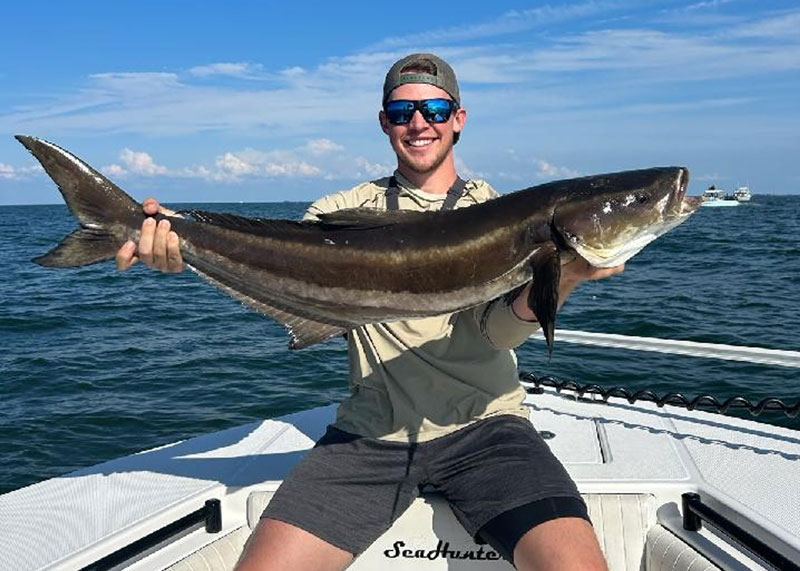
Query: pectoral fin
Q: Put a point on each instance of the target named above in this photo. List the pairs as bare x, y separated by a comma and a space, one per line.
543, 296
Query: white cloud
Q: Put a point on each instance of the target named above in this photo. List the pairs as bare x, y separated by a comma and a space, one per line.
781, 26
708, 177
466, 172
233, 166
164, 104
136, 163
141, 163
135, 84
708, 5
373, 170
545, 170
548, 170
513, 21
294, 71
243, 70
251, 164
646, 57
10, 172
323, 146
7, 171
583, 84
291, 169
114, 170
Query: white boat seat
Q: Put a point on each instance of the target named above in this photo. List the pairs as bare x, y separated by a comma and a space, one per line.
625, 525
220, 555
621, 522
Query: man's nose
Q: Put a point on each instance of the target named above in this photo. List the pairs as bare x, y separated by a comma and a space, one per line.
417, 121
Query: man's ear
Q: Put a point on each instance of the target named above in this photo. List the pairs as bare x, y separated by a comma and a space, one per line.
383, 121
459, 120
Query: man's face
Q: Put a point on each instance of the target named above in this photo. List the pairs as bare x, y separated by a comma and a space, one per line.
421, 146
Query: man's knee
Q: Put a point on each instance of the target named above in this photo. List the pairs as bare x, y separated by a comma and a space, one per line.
560, 544
279, 545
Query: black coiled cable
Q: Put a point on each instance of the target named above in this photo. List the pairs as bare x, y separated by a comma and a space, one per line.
702, 402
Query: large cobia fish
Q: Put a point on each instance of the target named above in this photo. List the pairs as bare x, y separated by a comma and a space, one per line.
361, 266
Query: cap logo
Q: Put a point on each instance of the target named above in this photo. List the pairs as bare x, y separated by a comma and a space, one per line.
418, 78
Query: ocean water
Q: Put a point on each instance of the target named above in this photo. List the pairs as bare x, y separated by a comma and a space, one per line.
96, 364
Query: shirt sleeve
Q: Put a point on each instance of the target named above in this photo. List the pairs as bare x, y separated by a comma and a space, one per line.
500, 325
361, 195
322, 205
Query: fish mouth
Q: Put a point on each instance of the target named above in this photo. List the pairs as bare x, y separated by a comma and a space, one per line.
630, 214
688, 204
674, 206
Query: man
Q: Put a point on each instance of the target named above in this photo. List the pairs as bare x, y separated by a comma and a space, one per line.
435, 402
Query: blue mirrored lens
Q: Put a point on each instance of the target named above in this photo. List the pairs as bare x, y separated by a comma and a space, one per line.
436, 110
400, 111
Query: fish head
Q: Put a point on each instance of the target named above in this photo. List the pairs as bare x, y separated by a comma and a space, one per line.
607, 219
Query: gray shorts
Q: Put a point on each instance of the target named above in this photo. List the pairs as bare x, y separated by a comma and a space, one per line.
349, 489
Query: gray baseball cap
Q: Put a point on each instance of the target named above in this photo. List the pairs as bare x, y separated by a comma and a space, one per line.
442, 75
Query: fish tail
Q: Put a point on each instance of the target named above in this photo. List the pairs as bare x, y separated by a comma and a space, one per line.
101, 207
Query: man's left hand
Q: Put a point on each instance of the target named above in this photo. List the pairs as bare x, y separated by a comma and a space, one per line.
579, 270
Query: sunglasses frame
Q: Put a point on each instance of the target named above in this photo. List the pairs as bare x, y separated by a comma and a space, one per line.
418, 105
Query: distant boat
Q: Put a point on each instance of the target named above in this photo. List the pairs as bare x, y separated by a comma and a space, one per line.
714, 196
742, 194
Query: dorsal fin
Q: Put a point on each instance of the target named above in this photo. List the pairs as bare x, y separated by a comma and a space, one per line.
351, 218
370, 217
254, 225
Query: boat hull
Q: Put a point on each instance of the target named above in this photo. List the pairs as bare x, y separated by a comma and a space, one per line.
719, 203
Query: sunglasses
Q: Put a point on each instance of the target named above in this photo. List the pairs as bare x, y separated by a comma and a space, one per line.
400, 111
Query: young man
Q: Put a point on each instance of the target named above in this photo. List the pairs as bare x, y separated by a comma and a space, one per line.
435, 402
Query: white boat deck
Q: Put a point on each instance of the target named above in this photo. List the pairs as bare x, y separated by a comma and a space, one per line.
637, 458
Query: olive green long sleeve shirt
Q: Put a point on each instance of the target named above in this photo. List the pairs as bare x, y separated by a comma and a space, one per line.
420, 379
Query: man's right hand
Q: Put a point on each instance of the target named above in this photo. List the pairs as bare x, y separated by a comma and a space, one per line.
159, 246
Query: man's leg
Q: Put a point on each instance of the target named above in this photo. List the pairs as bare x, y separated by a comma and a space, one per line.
560, 544
334, 503
507, 488
279, 546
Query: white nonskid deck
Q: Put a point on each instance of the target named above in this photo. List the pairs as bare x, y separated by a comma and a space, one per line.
631, 462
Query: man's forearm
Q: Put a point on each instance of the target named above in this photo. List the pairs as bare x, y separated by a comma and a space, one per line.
520, 304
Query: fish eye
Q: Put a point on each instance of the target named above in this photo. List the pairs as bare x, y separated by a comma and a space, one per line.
642, 199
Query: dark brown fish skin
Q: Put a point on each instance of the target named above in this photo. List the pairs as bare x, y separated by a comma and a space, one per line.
436, 247
352, 268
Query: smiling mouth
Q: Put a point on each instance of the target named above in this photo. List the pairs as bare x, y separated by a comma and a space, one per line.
419, 142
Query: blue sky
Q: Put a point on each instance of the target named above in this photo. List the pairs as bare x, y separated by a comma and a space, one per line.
270, 101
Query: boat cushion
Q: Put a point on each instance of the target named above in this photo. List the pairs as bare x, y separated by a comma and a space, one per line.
665, 551
256, 502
